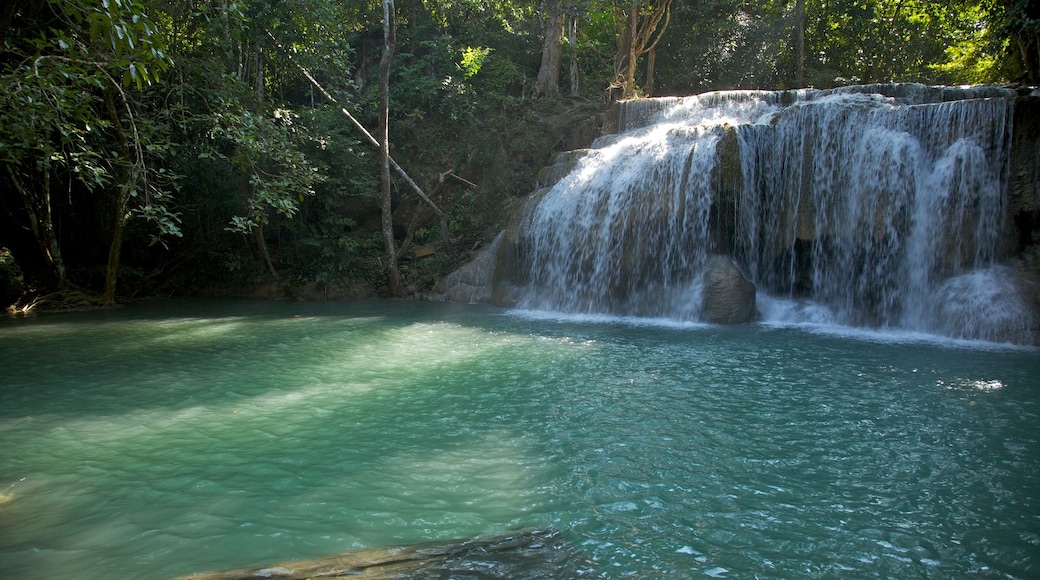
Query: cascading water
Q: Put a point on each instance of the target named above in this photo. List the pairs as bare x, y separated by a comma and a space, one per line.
884, 211
627, 231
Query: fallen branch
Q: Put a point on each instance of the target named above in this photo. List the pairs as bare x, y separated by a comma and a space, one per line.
450, 173
400, 171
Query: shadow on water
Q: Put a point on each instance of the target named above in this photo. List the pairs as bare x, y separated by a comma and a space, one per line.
102, 362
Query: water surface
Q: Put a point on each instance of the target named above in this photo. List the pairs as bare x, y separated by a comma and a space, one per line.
164, 439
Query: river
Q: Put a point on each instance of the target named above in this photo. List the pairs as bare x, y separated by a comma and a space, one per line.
175, 437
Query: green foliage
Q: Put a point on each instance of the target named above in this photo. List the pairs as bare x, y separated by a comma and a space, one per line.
276, 174
73, 116
973, 58
48, 119
115, 35
726, 44
333, 239
472, 60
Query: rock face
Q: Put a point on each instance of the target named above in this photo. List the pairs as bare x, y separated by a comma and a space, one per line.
472, 282
729, 297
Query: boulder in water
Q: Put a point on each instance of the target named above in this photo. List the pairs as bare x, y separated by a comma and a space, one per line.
729, 297
473, 282
995, 304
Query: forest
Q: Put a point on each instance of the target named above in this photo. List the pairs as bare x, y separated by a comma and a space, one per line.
244, 147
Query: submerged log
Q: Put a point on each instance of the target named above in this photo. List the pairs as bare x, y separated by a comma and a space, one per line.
523, 554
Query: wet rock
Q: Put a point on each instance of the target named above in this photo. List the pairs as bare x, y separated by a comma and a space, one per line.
729, 297
472, 282
528, 554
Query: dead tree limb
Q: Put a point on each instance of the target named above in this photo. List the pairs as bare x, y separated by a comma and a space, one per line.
397, 168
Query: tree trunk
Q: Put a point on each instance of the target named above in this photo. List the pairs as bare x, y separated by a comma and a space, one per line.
1030, 54
259, 79
389, 44
637, 37
108, 295
38, 210
799, 44
265, 255
628, 72
547, 84
573, 39
648, 89
259, 217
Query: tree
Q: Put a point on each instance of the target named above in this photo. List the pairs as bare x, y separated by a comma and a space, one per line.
1019, 21
547, 83
640, 24
572, 40
799, 43
71, 116
387, 220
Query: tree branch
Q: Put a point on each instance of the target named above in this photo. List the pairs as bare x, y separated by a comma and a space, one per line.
397, 168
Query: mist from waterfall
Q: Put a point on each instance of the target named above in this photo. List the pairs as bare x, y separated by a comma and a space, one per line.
865, 209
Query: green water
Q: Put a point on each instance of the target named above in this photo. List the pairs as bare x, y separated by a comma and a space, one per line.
164, 439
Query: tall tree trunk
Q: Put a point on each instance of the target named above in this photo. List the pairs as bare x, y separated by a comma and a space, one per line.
123, 185
799, 43
1029, 50
629, 90
108, 295
573, 40
389, 44
260, 218
547, 83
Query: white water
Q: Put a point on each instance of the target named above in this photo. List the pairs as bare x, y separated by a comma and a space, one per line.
865, 207
626, 232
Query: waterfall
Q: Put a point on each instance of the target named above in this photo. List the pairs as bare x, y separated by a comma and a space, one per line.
883, 200
626, 231
883, 206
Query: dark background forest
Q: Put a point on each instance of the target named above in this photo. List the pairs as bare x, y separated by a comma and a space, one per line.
208, 147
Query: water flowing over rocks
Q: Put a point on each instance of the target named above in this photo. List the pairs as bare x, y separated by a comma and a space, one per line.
895, 206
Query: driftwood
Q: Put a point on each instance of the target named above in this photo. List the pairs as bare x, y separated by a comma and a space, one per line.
524, 554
